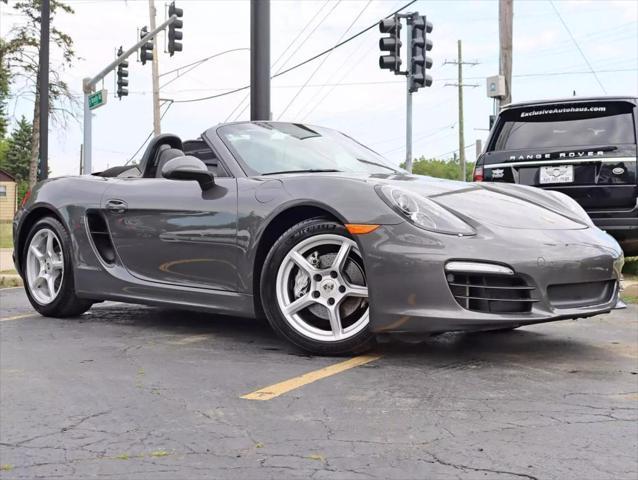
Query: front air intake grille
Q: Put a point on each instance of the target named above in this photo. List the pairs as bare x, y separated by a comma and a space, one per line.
491, 293
576, 295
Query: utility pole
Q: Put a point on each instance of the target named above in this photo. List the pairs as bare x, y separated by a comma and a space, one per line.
45, 16
459, 62
260, 59
505, 20
461, 117
155, 71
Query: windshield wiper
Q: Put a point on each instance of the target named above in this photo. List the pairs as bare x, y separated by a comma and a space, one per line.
369, 162
308, 170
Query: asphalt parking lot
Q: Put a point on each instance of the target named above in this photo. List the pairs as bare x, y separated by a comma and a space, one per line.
141, 393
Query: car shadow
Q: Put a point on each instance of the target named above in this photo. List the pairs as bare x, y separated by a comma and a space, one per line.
548, 346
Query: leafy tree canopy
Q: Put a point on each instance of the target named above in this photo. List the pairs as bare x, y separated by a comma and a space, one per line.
450, 169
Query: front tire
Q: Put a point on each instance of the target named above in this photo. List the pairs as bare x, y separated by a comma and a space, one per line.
48, 272
314, 289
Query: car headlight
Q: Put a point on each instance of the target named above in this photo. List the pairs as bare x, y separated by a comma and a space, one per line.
423, 212
573, 206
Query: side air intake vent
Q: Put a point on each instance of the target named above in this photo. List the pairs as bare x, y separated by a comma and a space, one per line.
100, 236
491, 293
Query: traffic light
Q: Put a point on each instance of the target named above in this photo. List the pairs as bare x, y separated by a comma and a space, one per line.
420, 62
174, 29
122, 76
146, 50
391, 44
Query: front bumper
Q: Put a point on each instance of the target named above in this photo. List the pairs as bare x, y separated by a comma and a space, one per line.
622, 225
409, 292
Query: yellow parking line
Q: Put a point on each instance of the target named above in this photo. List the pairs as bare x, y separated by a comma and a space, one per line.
272, 391
18, 317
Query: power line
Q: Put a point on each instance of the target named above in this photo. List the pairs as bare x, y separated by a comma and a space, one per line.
339, 82
453, 151
431, 133
578, 46
316, 27
247, 96
196, 64
301, 64
356, 19
170, 104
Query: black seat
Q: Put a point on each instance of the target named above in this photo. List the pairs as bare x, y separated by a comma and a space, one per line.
164, 156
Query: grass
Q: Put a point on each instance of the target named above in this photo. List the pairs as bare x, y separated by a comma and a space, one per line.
631, 266
6, 236
630, 293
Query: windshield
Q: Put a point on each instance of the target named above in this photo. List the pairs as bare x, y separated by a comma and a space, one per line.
269, 148
603, 123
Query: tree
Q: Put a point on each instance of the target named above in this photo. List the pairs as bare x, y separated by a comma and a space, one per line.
18, 155
4, 96
19, 151
450, 169
4, 92
22, 52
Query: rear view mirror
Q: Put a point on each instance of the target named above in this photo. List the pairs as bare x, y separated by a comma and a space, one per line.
189, 168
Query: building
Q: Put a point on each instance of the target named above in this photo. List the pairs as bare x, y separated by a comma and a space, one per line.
8, 196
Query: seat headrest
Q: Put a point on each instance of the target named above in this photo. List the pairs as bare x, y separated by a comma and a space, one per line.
164, 156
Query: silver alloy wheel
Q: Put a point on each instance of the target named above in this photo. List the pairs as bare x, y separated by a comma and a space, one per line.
326, 286
45, 266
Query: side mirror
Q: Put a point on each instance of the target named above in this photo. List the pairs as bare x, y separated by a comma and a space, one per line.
189, 168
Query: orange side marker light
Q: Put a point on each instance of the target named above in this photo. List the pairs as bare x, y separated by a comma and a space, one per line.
360, 228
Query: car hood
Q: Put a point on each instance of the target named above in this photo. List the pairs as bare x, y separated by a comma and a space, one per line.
509, 206
504, 205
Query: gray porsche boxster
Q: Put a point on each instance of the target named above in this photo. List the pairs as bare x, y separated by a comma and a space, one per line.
318, 233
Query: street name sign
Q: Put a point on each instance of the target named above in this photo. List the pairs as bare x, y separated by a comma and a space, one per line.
97, 99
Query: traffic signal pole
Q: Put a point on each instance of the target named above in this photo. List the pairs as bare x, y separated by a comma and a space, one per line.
417, 63
88, 85
408, 102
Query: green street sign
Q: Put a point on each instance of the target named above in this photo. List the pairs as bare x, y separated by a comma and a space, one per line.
97, 99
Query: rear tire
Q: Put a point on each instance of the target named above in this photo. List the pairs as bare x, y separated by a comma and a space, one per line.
314, 289
48, 271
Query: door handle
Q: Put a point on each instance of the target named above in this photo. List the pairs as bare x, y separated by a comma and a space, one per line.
116, 206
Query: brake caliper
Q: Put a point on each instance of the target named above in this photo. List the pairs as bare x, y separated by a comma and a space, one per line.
302, 280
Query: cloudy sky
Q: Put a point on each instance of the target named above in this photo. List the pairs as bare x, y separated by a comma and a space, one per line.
345, 90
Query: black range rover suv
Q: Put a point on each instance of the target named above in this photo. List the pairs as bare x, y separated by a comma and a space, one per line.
583, 147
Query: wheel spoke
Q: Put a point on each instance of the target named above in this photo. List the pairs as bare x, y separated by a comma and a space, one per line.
299, 304
37, 253
340, 260
318, 270
356, 291
39, 280
335, 321
51, 285
57, 264
301, 262
49, 247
